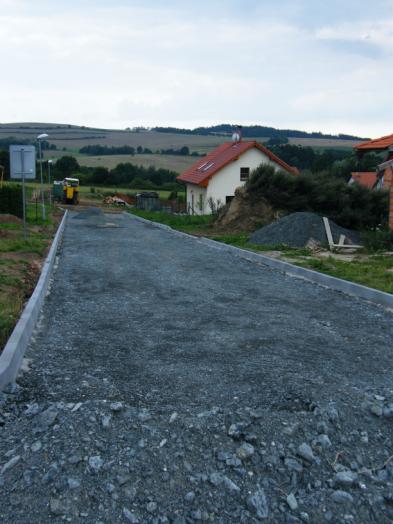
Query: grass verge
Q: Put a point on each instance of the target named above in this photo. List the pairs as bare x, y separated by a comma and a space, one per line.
20, 263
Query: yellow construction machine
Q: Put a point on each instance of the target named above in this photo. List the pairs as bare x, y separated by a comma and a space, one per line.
71, 191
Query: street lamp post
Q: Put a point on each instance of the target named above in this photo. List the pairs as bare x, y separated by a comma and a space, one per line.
39, 138
50, 189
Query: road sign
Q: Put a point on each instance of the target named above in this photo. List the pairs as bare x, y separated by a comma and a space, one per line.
22, 162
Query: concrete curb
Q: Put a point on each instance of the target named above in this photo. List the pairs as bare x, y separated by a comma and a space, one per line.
12, 355
349, 288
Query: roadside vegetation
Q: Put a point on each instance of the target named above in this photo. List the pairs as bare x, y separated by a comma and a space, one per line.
21, 261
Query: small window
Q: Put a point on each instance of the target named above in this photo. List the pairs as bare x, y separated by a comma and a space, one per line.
200, 203
244, 173
228, 199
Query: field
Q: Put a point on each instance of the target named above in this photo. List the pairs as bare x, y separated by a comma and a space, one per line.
69, 139
171, 162
85, 191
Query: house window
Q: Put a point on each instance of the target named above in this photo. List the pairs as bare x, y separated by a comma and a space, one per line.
200, 203
244, 173
228, 199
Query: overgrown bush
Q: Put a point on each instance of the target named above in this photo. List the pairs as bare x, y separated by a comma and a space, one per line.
351, 206
378, 240
11, 201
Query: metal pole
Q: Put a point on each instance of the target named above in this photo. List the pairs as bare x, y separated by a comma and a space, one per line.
42, 187
50, 189
22, 155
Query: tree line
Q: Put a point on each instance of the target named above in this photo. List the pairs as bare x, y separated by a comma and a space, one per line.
98, 150
124, 174
334, 162
253, 131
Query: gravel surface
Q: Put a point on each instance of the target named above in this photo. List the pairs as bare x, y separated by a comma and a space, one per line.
297, 229
170, 382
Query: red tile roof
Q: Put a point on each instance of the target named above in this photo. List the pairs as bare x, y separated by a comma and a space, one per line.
379, 143
200, 172
366, 179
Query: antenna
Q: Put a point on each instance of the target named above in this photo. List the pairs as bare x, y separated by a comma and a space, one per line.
237, 134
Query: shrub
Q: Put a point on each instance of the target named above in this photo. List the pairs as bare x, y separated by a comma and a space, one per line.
11, 201
378, 240
351, 206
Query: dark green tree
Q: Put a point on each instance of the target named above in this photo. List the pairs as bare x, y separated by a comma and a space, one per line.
66, 166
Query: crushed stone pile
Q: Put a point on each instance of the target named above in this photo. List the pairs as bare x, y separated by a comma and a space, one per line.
299, 229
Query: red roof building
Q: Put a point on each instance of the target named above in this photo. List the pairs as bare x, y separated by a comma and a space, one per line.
384, 174
367, 179
213, 179
379, 144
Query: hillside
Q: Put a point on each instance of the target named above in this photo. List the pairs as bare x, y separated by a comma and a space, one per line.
69, 139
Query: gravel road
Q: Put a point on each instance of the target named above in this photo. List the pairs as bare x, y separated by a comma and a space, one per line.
170, 382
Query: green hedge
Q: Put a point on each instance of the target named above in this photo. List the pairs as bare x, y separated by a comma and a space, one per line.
11, 201
351, 206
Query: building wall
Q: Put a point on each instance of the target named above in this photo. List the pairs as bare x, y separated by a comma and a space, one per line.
196, 200
224, 183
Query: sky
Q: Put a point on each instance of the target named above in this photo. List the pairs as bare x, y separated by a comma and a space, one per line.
313, 65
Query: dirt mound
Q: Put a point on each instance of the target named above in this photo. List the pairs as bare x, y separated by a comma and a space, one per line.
245, 213
298, 229
5, 218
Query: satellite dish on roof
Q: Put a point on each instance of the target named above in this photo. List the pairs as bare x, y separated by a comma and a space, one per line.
237, 134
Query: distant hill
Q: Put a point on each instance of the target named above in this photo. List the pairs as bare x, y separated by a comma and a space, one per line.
255, 132
78, 141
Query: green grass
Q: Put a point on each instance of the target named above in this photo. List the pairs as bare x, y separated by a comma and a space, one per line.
241, 240
6, 280
10, 311
17, 275
373, 272
30, 245
187, 223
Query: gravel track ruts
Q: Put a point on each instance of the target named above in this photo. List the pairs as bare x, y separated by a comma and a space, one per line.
171, 382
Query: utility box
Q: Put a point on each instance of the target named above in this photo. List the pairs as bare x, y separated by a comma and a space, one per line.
148, 201
57, 190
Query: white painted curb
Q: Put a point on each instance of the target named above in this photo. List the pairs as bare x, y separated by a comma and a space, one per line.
344, 286
12, 355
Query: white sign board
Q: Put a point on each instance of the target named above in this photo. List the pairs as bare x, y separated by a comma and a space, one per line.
22, 162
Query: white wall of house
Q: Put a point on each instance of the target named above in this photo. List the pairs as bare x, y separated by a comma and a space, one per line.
196, 200
224, 183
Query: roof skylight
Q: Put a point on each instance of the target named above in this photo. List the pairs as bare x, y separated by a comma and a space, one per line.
208, 166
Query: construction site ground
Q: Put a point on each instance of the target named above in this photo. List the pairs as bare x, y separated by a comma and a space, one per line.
169, 382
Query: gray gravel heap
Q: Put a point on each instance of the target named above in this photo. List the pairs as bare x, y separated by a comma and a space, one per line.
297, 229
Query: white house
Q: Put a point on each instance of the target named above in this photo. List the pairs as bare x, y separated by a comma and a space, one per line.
215, 177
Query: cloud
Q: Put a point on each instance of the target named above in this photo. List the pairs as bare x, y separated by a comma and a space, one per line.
191, 64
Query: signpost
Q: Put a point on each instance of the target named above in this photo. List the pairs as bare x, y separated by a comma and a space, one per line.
22, 167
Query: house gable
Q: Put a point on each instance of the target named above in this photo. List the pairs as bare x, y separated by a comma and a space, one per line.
225, 181
202, 171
